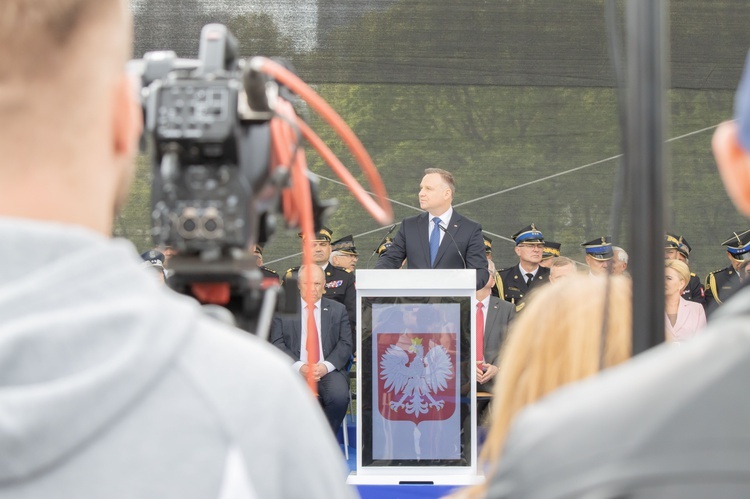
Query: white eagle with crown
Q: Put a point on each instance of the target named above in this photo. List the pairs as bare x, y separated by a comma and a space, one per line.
418, 380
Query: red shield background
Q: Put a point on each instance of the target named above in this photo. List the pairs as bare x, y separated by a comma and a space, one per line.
403, 341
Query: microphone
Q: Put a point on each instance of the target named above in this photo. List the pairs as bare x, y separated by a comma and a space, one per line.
393, 227
454, 244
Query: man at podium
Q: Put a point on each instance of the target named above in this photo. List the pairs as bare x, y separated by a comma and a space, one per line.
440, 238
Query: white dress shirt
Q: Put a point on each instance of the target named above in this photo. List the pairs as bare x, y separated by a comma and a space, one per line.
445, 219
303, 337
524, 272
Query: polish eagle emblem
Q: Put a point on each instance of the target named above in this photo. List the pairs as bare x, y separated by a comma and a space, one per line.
419, 380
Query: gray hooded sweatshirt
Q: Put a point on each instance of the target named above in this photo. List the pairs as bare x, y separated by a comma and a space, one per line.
113, 386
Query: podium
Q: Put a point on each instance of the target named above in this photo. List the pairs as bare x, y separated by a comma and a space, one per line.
416, 379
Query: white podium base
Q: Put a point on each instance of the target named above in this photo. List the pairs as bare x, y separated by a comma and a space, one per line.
448, 479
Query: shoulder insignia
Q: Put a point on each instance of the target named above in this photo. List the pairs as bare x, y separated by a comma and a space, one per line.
269, 270
692, 274
520, 307
347, 271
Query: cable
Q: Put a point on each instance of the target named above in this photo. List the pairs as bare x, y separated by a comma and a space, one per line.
384, 213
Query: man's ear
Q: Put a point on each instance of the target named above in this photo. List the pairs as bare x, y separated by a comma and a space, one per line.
733, 164
127, 117
518, 250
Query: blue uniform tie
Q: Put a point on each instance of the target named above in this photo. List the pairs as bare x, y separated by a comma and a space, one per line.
434, 240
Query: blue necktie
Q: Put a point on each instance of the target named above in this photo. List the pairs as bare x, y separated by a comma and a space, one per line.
434, 240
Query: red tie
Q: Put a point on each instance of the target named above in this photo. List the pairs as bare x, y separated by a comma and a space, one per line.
313, 343
480, 332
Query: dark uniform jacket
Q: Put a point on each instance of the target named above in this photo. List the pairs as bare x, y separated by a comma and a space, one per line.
720, 285
339, 287
694, 290
513, 287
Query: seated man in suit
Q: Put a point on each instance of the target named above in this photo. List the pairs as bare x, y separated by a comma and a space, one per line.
493, 316
334, 345
420, 239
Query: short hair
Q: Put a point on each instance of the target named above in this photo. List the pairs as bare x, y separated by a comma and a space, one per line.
491, 266
620, 254
33, 33
445, 175
562, 261
335, 253
680, 267
558, 340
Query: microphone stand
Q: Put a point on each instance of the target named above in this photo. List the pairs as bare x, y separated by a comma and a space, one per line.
454, 244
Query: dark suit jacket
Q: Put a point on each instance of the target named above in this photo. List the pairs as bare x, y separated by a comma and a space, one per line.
499, 315
335, 332
412, 242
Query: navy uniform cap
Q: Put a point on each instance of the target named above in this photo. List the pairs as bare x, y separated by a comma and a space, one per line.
345, 245
738, 245
599, 248
153, 257
487, 244
324, 234
551, 250
529, 235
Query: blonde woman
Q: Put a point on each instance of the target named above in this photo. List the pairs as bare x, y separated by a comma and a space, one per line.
683, 319
556, 341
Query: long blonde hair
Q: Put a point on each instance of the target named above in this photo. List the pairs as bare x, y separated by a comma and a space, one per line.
557, 340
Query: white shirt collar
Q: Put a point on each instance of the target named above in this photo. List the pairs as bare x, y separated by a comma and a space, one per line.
524, 271
445, 218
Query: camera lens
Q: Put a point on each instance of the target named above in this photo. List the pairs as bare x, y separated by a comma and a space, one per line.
210, 225
189, 225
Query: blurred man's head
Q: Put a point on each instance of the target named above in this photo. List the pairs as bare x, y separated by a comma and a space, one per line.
560, 268
321, 246
599, 254
731, 146
620, 261
344, 254
74, 114
316, 285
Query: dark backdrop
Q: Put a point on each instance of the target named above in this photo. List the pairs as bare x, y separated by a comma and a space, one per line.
515, 98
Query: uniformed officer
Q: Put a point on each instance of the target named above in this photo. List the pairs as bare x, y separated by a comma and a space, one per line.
344, 254
269, 274
599, 255
677, 248
495, 290
550, 251
516, 282
720, 284
339, 282
387, 243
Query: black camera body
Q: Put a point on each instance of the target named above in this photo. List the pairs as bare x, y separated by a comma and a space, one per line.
210, 151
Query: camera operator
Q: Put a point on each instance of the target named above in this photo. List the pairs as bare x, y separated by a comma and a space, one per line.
112, 385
